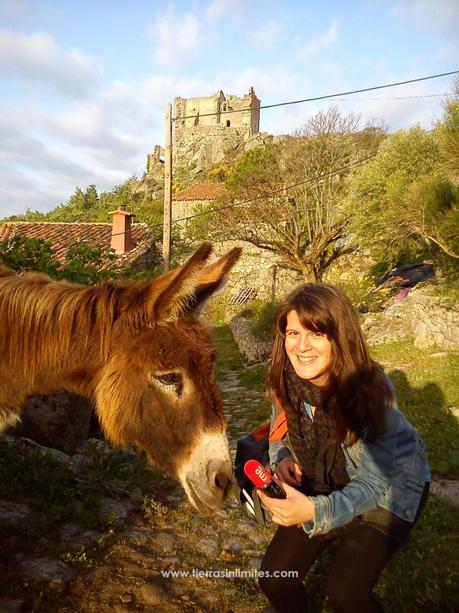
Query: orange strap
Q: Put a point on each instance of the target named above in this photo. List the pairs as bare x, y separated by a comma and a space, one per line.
279, 429
261, 432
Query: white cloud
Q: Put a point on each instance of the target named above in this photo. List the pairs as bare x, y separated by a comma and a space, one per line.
264, 37
37, 58
19, 192
104, 139
175, 38
319, 43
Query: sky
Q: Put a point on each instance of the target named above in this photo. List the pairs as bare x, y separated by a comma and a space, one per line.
84, 84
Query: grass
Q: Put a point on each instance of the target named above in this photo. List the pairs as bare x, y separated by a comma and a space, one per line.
427, 392
46, 485
424, 574
228, 354
254, 377
40, 480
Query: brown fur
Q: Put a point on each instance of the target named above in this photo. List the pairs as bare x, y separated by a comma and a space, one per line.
109, 343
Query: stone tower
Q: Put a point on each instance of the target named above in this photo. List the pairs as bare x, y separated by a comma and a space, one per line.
216, 113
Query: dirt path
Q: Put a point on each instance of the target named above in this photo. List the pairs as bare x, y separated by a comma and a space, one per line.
131, 575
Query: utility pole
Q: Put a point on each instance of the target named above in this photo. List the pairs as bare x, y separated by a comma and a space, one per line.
167, 189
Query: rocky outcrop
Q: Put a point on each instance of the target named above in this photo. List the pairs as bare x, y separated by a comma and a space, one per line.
60, 421
202, 149
428, 319
252, 349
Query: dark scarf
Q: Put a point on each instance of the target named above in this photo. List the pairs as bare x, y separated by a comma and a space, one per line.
322, 461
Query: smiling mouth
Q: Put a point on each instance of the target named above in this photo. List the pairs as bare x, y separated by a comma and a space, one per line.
306, 359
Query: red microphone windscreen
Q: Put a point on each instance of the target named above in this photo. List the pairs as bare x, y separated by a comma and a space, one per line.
259, 476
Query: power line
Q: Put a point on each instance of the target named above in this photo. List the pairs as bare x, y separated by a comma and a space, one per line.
280, 191
316, 98
400, 97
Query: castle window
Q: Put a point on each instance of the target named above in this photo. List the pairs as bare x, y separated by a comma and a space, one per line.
228, 123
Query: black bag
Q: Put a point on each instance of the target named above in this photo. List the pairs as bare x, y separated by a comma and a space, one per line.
253, 446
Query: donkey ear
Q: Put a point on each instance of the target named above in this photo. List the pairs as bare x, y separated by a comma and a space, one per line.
213, 276
165, 297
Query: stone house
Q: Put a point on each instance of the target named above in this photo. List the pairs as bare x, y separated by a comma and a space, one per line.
192, 198
133, 243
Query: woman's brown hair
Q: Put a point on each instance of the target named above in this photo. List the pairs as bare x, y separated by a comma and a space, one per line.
357, 394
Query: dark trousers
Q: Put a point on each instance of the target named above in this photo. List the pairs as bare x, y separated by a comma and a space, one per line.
365, 546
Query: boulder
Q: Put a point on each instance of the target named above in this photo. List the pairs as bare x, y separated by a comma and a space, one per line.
60, 421
428, 319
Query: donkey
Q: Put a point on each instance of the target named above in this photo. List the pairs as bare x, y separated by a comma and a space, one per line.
138, 351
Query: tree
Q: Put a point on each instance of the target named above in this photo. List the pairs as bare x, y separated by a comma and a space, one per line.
90, 265
83, 263
447, 132
294, 192
22, 254
400, 203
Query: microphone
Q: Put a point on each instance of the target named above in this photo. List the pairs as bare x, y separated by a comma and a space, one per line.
263, 479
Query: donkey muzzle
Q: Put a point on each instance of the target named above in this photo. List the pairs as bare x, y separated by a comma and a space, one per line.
207, 475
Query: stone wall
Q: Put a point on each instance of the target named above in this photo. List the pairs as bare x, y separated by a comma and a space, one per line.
254, 350
258, 269
183, 208
149, 259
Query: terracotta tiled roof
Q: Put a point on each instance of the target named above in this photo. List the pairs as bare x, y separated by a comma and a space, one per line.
201, 191
63, 235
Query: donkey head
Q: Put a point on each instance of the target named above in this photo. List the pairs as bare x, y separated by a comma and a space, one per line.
157, 390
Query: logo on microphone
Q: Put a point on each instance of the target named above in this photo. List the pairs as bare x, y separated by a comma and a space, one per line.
262, 474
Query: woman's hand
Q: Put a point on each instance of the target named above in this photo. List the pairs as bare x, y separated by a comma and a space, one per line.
291, 511
288, 471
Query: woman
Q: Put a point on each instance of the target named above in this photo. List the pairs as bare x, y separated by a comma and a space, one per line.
353, 467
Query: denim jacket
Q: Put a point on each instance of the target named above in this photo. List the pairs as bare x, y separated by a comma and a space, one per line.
389, 472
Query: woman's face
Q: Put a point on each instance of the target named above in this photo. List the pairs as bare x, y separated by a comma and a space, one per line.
310, 353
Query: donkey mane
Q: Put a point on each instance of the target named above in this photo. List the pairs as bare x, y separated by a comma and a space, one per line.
42, 325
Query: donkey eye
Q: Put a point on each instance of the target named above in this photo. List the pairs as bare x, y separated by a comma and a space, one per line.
172, 380
169, 378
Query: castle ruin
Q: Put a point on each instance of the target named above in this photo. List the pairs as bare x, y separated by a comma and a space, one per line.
205, 129
195, 115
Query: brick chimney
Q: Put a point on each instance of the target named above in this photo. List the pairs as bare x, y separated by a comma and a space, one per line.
121, 231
